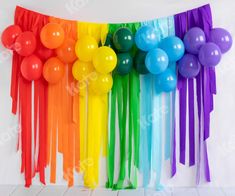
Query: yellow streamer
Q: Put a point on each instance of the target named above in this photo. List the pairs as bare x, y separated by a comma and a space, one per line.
93, 127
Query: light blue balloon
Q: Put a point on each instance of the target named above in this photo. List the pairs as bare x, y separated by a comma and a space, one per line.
166, 81
156, 61
174, 47
146, 38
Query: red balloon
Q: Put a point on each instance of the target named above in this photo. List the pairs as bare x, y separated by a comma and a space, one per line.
9, 36
25, 43
44, 53
31, 68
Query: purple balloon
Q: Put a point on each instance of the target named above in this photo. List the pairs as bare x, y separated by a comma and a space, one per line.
209, 55
222, 38
194, 39
189, 66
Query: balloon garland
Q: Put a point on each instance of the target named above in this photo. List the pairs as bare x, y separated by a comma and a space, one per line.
80, 78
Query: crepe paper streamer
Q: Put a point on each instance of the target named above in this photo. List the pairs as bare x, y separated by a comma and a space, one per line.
134, 126
111, 135
61, 117
97, 115
120, 95
200, 17
145, 127
33, 126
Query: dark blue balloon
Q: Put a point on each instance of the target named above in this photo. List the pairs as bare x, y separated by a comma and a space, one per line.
174, 47
156, 61
146, 38
166, 81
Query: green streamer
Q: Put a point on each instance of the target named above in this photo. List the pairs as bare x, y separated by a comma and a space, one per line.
124, 88
111, 143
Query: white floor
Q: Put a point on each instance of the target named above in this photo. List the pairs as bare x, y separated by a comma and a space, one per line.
12, 190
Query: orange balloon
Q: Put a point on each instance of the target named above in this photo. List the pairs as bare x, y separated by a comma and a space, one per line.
66, 52
52, 35
53, 70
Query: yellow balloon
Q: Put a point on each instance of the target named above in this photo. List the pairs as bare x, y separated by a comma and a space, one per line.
104, 60
82, 70
85, 48
102, 84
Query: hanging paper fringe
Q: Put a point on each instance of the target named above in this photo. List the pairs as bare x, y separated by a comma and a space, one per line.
73, 113
200, 17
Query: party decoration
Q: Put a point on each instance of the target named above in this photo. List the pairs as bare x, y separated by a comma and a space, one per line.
25, 43
9, 36
81, 70
53, 70
166, 81
66, 52
146, 38
52, 35
31, 68
140, 62
156, 61
104, 80
124, 63
209, 55
222, 38
189, 66
104, 60
102, 83
194, 39
44, 53
174, 48
85, 48
123, 39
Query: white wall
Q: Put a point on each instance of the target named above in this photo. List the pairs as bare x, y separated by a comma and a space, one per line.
222, 142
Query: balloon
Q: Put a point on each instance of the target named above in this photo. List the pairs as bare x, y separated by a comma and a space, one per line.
25, 43
52, 35
53, 70
194, 39
31, 67
140, 62
44, 53
81, 70
85, 48
209, 54
9, 36
174, 48
123, 39
146, 38
189, 66
166, 81
66, 52
124, 63
104, 60
156, 61
102, 84
222, 38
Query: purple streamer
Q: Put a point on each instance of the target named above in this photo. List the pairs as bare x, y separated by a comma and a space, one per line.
206, 88
191, 123
180, 29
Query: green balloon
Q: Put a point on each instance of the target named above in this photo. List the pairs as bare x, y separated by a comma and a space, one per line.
124, 63
123, 39
140, 62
